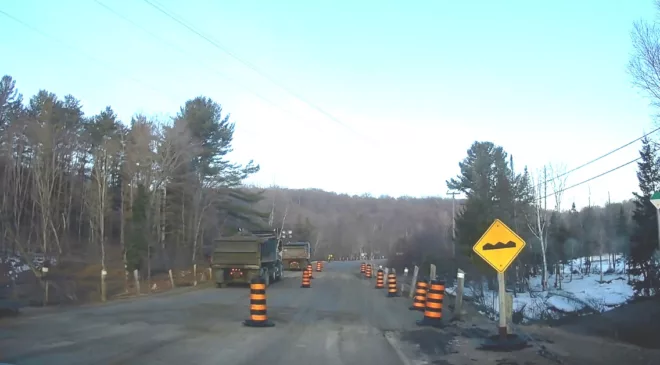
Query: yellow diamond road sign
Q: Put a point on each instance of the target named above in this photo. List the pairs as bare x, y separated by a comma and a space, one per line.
499, 246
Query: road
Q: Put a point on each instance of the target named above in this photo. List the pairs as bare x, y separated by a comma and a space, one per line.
342, 319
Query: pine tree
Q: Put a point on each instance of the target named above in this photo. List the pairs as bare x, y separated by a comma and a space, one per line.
136, 246
644, 238
492, 191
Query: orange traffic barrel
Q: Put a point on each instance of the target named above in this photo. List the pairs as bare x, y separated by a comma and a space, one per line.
363, 268
419, 301
433, 309
306, 279
380, 279
258, 313
309, 268
319, 266
368, 272
391, 285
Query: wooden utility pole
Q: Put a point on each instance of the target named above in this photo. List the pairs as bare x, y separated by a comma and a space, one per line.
453, 222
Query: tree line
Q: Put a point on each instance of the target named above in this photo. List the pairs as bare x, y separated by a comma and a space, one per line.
84, 185
559, 237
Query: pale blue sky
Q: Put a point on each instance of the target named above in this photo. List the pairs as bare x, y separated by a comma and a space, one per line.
417, 81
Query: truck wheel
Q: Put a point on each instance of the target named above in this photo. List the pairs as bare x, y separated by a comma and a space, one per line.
267, 280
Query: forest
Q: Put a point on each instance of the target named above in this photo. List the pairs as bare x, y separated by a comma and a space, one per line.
108, 204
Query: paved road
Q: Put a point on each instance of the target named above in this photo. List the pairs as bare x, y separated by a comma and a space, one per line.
342, 319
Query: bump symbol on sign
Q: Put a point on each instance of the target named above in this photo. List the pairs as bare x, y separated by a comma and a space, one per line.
499, 246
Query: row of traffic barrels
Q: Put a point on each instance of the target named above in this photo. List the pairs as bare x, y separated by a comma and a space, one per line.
427, 298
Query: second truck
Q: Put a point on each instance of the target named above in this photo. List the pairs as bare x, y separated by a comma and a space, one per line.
296, 255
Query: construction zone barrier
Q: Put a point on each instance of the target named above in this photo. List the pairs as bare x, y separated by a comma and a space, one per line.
319, 266
363, 268
433, 309
306, 279
380, 279
309, 268
419, 301
392, 289
258, 312
369, 272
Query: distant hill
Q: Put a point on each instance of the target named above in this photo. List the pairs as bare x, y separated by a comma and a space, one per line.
343, 224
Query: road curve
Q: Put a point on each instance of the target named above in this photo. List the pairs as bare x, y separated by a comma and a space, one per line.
340, 320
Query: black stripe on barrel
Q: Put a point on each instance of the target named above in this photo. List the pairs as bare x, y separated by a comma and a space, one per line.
258, 307
392, 288
306, 282
380, 279
310, 269
419, 300
433, 309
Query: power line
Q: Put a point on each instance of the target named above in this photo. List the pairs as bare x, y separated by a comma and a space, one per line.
592, 178
105, 64
249, 65
601, 157
187, 54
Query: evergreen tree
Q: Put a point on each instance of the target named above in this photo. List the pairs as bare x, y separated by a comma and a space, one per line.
136, 245
492, 192
644, 238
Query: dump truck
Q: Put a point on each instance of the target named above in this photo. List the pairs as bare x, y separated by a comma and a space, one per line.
239, 258
296, 255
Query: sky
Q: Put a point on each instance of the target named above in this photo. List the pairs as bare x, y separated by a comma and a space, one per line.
378, 97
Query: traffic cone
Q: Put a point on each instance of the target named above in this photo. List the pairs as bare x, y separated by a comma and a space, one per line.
433, 309
306, 282
391, 285
419, 301
380, 276
258, 312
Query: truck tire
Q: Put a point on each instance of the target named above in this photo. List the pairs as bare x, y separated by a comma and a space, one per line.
278, 274
267, 279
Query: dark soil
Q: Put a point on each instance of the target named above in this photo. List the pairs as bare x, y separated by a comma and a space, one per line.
637, 323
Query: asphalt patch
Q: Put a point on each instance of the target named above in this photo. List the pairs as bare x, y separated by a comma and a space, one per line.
430, 341
512, 342
339, 317
474, 332
282, 314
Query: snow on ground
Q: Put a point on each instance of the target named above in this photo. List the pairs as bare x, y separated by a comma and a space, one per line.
15, 265
579, 295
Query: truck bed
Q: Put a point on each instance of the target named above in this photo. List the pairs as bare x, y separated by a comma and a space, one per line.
244, 250
295, 252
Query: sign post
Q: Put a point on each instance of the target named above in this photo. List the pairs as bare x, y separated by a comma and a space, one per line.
655, 200
499, 246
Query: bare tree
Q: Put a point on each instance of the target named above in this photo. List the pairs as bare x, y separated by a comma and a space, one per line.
99, 196
558, 183
644, 64
173, 147
538, 220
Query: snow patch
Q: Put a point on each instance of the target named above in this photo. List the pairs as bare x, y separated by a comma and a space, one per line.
578, 295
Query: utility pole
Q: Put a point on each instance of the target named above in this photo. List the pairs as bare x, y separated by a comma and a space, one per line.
453, 222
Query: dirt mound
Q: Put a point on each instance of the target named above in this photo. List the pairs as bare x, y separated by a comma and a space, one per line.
636, 323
